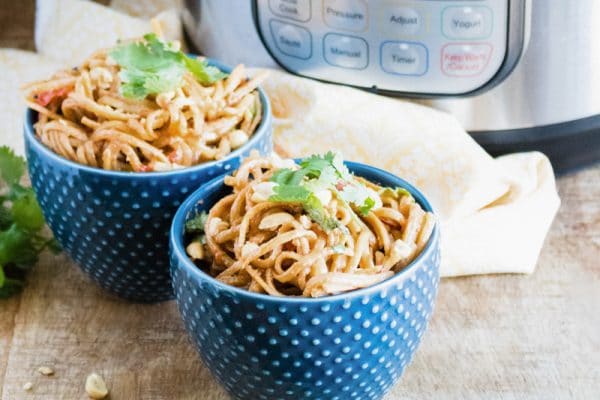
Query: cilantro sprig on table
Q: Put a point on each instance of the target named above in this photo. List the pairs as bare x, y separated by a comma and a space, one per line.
21, 223
153, 66
317, 173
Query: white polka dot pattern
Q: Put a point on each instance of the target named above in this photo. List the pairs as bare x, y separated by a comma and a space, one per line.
116, 226
351, 346
356, 347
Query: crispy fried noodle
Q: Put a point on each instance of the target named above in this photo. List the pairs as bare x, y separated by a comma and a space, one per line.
256, 240
85, 117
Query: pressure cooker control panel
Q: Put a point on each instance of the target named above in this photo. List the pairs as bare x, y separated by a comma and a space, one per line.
407, 46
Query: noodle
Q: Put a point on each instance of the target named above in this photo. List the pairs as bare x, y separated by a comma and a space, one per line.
84, 118
273, 247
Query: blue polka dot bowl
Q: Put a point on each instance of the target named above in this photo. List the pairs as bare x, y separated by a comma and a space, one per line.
115, 225
348, 346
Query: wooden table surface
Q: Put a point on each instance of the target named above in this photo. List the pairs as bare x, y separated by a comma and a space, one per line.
491, 337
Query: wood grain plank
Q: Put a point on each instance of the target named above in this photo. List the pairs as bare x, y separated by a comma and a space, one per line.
492, 337
8, 311
68, 323
16, 24
16, 30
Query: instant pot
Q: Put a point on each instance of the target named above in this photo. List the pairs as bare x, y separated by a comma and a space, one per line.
518, 74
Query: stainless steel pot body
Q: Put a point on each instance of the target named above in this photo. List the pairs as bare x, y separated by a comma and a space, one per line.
556, 80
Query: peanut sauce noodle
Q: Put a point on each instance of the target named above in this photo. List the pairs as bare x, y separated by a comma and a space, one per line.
274, 247
84, 118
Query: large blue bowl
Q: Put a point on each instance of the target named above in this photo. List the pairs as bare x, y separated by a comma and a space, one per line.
115, 225
348, 346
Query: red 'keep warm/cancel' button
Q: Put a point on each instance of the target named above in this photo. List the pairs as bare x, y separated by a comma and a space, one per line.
465, 59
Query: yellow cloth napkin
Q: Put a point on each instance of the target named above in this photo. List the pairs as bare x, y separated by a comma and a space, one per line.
70, 30
16, 68
145, 8
494, 213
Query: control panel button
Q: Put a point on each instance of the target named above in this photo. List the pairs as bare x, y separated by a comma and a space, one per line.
349, 15
468, 22
404, 58
294, 9
345, 51
465, 59
402, 20
292, 40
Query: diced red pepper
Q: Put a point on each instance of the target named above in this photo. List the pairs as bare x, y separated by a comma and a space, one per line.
175, 156
340, 185
44, 98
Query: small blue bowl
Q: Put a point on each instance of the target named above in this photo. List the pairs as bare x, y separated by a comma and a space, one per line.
353, 345
115, 225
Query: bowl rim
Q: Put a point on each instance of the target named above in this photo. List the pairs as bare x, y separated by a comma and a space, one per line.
261, 130
177, 247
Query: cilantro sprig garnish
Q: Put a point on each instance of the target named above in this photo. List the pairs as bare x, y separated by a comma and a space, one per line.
290, 189
196, 223
153, 66
317, 173
195, 227
21, 223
